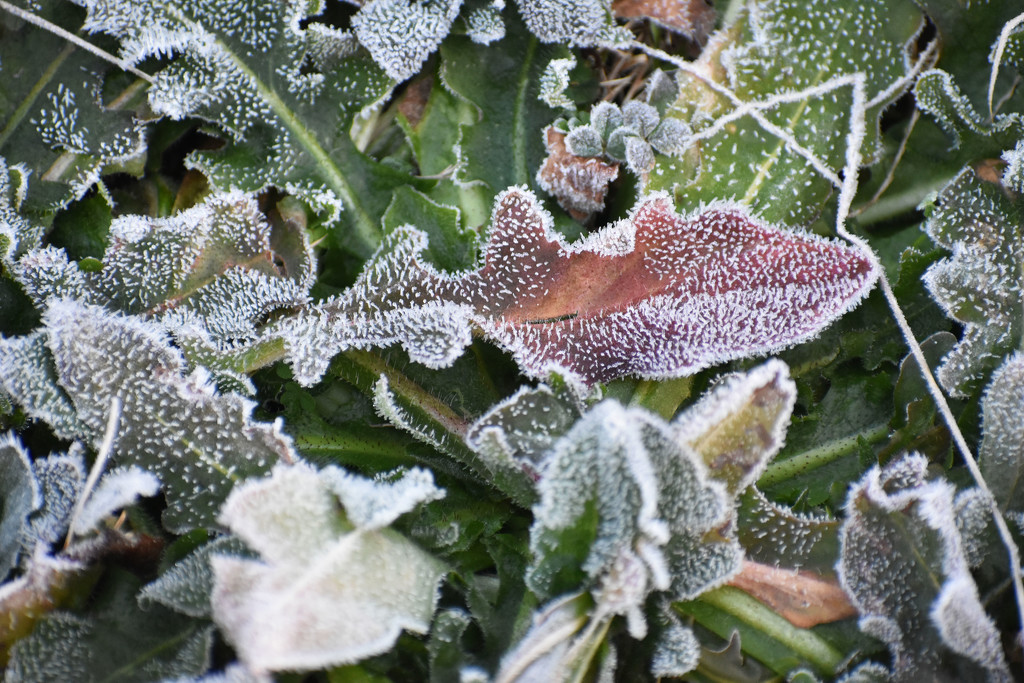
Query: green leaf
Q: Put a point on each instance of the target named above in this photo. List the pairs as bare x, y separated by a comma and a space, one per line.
332, 588
999, 457
198, 442
118, 640
504, 146
20, 496
980, 284
902, 564
781, 47
284, 127
53, 117
186, 586
450, 248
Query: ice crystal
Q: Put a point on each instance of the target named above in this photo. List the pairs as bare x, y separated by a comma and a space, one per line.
484, 25
28, 375
657, 295
17, 234
61, 479
902, 564
937, 94
177, 426
401, 34
979, 285
328, 590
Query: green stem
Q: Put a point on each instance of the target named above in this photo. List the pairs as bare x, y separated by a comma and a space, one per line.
820, 456
805, 643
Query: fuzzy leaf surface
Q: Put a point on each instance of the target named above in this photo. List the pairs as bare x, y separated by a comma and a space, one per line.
658, 295
980, 284
902, 563
285, 126
332, 588
782, 47
19, 497
197, 441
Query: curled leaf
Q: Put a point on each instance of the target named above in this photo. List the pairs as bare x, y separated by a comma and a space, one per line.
579, 183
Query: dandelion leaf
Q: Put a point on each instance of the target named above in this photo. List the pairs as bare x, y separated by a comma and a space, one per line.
939, 95
902, 564
657, 295
177, 426
29, 376
401, 34
54, 119
981, 225
779, 48
20, 496
244, 70
117, 640
328, 591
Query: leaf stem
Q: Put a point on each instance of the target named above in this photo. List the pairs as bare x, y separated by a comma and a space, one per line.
805, 643
820, 456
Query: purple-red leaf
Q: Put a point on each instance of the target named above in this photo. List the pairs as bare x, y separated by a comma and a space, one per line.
656, 295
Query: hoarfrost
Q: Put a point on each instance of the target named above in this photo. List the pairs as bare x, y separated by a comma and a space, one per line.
902, 564
1000, 457
118, 488
186, 586
555, 81
19, 497
484, 25
61, 480
401, 34
326, 592
580, 23
693, 291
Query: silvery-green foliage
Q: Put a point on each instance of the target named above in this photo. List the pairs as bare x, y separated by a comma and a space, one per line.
120, 641
979, 285
484, 24
331, 588
29, 376
61, 479
623, 503
19, 497
632, 133
579, 23
176, 425
17, 233
903, 565
938, 95
117, 489
554, 82
401, 34
676, 651
1001, 456
186, 586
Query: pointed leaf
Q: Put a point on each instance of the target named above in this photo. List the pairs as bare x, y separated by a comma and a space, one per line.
187, 585
659, 295
327, 592
400, 34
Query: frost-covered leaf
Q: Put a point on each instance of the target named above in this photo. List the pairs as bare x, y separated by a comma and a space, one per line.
117, 489
243, 68
554, 82
484, 24
579, 23
186, 586
902, 564
776, 535
1001, 456
19, 497
803, 598
198, 442
523, 426
939, 95
28, 375
61, 480
623, 502
579, 182
980, 284
502, 146
676, 652
658, 295
780, 47
692, 18
328, 590
546, 651
119, 640
17, 233
741, 424
54, 121
401, 34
